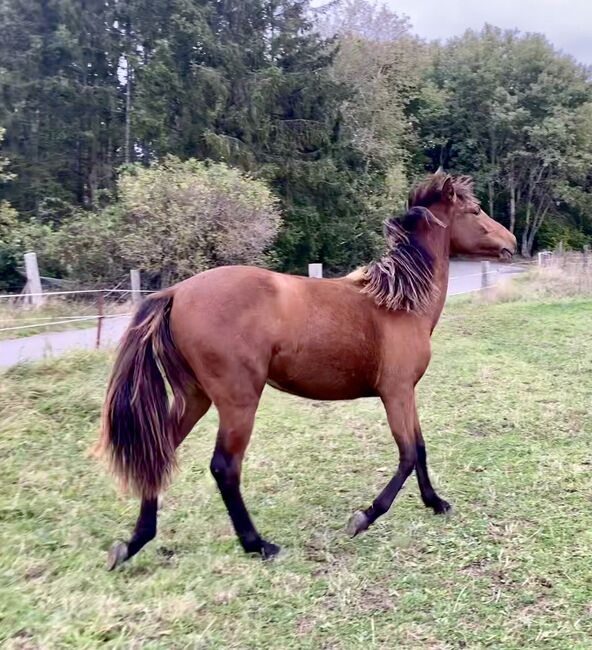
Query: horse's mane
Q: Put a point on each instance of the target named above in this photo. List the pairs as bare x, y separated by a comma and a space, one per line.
403, 279
430, 191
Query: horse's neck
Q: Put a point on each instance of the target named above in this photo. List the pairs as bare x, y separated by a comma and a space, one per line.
438, 243
441, 271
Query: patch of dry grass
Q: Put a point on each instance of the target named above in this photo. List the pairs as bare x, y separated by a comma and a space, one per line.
557, 282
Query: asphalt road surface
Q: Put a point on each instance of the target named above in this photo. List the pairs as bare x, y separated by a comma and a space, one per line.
465, 277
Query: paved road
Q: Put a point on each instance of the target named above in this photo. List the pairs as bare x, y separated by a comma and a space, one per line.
465, 276
52, 344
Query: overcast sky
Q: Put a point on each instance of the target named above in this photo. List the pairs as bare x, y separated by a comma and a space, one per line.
566, 23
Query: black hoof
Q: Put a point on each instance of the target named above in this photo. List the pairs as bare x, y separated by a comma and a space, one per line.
441, 507
118, 554
269, 550
357, 524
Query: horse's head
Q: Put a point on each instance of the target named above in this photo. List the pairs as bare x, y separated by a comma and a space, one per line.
475, 233
472, 231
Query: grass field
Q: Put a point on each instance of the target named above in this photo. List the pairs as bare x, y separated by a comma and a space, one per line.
506, 409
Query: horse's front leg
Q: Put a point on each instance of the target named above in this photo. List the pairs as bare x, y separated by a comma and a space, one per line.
428, 494
400, 411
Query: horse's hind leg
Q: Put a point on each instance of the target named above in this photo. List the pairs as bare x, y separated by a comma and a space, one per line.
234, 433
145, 529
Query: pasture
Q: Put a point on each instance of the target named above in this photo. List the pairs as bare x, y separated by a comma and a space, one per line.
506, 412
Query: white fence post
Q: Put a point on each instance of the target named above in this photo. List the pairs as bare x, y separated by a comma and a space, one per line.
33, 279
315, 270
135, 280
485, 271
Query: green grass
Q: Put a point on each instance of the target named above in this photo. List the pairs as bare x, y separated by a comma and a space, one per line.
506, 411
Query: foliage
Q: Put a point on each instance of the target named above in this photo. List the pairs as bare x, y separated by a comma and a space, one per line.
240, 82
518, 115
4, 162
172, 220
9, 278
554, 232
507, 424
383, 67
337, 107
59, 89
8, 247
87, 247
183, 217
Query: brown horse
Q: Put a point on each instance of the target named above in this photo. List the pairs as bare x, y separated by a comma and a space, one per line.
220, 336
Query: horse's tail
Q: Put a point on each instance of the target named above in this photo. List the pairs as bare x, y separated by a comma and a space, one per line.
138, 428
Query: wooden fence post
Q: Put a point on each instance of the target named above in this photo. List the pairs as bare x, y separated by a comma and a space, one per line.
315, 270
545, 258
101, 305
33, 279
561, 254
485, 271
586, 257
135, 281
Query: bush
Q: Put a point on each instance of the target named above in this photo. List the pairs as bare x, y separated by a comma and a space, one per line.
171, 221
184, 217
88, 247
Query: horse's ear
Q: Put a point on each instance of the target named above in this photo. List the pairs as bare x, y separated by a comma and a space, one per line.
448, 193
440, 171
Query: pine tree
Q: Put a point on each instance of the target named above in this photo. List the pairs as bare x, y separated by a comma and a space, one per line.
59, 90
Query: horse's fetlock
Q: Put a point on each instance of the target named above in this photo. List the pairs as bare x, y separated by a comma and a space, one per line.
251, 542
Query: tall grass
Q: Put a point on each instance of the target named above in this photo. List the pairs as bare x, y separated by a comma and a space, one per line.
567, 276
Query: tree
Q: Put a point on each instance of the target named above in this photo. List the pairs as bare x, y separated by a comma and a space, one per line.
514, 113
4, 163
59, 89
382, 67
8, 226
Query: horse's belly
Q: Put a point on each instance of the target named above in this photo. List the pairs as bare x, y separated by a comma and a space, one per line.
322, 384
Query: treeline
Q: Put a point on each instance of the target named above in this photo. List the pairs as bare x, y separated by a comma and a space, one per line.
336, 110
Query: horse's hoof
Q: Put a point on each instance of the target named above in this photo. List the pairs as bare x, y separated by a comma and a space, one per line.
442, 508
118, 554
357, 524
269, 550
